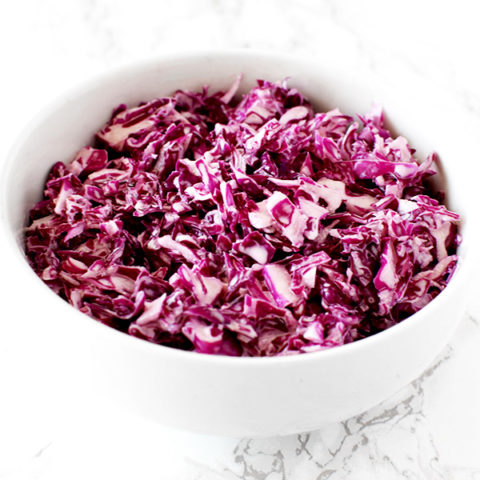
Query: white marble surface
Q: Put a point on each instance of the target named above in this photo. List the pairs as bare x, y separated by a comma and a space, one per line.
429, 430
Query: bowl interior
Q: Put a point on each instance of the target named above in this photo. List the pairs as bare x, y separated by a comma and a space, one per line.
412, 108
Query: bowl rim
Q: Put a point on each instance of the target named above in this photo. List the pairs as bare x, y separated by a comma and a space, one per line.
83, 87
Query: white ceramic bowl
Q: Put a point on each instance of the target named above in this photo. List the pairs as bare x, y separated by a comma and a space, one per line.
241, 396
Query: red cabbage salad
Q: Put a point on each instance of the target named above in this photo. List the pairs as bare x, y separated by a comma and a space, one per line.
250, 226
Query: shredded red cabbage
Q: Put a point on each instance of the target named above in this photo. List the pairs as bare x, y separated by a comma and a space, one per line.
256, 227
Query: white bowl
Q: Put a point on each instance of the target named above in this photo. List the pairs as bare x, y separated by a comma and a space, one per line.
242, 396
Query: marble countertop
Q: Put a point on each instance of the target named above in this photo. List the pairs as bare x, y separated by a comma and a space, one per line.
428, 430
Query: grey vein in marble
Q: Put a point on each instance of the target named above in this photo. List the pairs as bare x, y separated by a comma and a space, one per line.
331, 451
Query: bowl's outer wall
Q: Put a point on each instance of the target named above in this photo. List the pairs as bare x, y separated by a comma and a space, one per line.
221, 395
